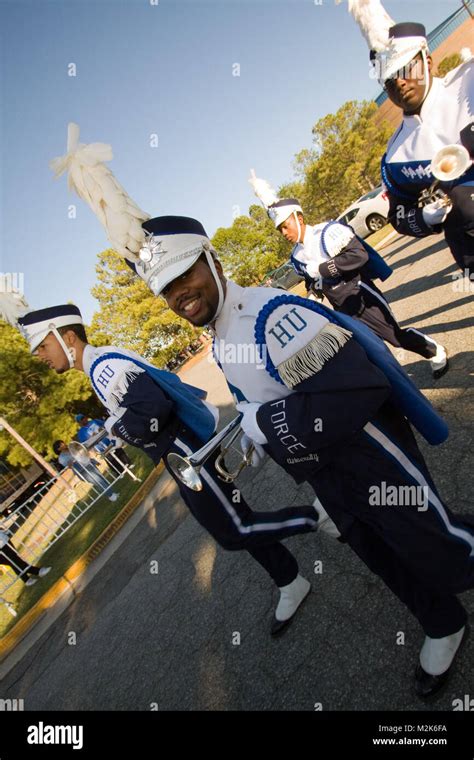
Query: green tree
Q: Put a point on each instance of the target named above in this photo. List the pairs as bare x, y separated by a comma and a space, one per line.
38, 403
130, 315
344, 161
250, 248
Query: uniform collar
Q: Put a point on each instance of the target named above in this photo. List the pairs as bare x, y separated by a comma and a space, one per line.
308, 234
90, 353
233, 300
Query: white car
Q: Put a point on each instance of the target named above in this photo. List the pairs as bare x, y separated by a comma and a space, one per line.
368, 214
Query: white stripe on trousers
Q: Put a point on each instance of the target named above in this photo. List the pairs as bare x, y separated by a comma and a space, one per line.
387, 306
430, 340
244, 529
415, 473
379, 297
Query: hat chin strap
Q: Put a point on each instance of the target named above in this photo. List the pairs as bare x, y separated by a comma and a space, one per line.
426, 73
298, 226
220, 289
68, 351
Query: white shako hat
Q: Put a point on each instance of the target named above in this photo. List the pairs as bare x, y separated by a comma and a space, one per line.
173, 244
392, 46
278, 209
405, 41
36, 325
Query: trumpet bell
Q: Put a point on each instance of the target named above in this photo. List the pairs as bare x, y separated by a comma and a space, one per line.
79, 452
450, 163
184, 470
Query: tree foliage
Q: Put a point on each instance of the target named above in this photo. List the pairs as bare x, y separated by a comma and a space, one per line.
250, 248
344, 162
36, 401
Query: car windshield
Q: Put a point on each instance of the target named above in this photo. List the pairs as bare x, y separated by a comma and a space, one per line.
346, 218
372, 194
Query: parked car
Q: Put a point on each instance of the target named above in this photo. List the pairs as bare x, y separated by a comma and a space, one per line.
368, 214
284, 277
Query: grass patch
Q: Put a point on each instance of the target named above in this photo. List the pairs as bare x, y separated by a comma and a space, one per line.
75, 542
376, 237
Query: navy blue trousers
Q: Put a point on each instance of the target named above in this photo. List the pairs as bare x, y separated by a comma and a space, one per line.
422, 551
232, 523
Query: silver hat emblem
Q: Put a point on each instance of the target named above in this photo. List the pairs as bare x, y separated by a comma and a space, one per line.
152, 247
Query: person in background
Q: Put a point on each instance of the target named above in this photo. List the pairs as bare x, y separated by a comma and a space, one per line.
89, 471
89, 427
9, 556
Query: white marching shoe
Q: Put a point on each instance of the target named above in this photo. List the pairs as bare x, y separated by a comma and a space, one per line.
436, 658
291, 597
439, 362
325, 524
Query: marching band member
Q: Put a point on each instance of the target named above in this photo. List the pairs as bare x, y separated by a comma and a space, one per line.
332, 406
436, 113
334, 260
329, 403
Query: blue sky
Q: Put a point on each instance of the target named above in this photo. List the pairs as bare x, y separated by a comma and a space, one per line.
164, 69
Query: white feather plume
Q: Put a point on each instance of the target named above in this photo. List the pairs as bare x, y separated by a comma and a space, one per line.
94, 182
12, 304
373, 20
264, 192
466, 54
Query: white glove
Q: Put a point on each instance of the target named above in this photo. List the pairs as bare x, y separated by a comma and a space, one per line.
435, 213
257, 455
249, 422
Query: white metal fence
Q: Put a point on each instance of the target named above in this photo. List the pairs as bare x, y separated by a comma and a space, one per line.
39, 522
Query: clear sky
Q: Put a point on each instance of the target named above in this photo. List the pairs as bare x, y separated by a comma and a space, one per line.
165, 67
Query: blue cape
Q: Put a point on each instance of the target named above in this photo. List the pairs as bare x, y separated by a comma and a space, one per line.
413, 404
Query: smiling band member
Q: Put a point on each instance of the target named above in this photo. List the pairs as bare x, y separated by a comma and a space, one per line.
330, 404
331, 416
334, 260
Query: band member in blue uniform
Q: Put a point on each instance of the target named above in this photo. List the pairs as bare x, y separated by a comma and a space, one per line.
330, 404
156, 412
436, 112
334, 261
327, 400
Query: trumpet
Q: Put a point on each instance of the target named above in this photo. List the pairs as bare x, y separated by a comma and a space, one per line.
187, 469
80, 452
448, 164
